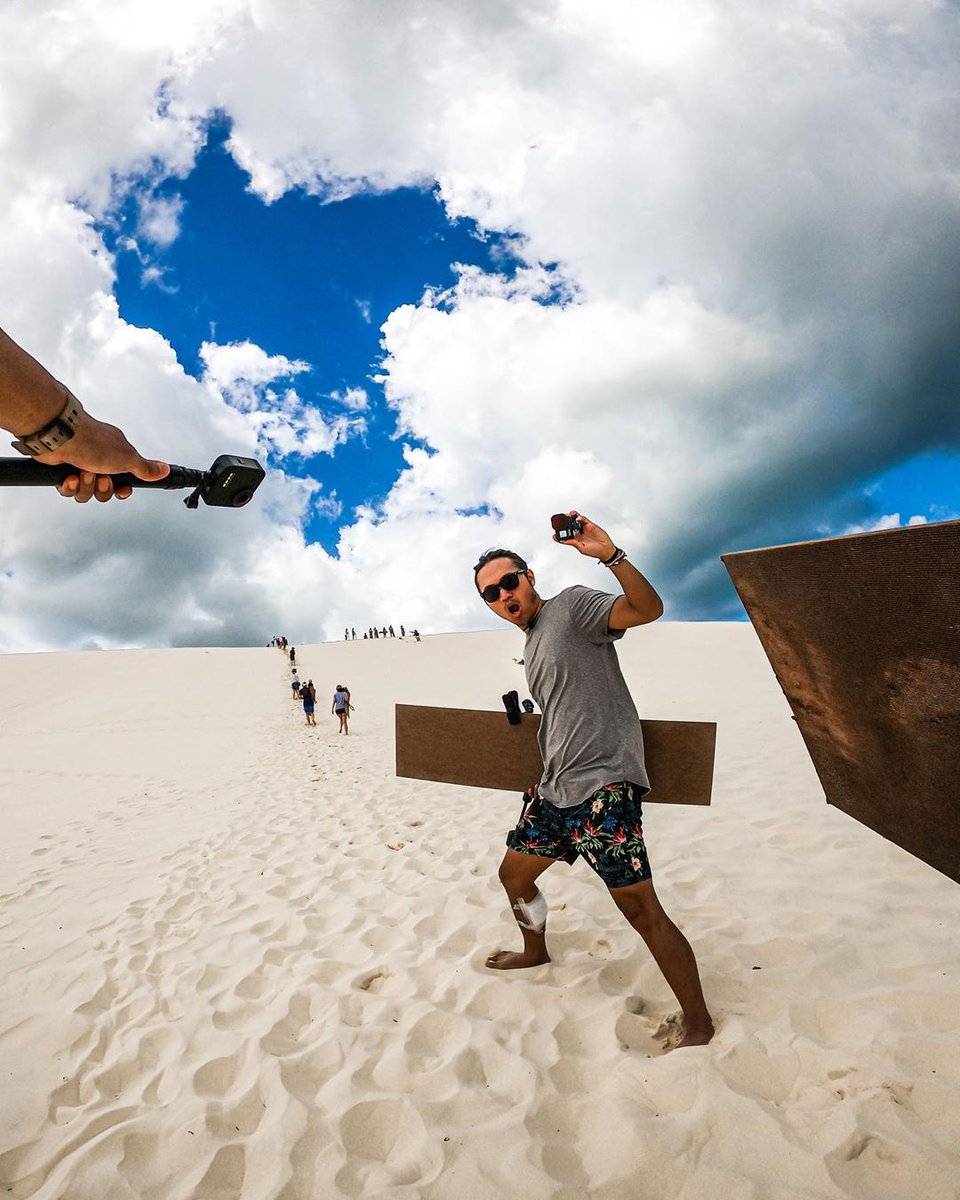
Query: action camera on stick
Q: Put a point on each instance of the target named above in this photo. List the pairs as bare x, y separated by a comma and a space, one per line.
230, 482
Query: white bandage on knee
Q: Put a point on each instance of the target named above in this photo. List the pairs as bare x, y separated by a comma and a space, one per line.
533, 913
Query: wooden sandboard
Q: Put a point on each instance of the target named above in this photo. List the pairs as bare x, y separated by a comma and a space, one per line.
863, 634
476, 748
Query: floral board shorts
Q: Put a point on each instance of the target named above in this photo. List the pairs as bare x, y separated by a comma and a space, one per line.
606, 829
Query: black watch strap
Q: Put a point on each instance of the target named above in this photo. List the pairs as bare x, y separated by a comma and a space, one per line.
54, 434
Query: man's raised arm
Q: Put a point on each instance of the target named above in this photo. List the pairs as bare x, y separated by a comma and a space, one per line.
640, 604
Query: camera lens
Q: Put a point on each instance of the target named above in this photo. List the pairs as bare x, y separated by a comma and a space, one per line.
244, 496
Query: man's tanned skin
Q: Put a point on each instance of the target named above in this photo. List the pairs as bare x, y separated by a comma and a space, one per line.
639, 605
30, 398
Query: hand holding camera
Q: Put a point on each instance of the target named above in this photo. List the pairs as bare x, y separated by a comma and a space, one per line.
565, 527
577, 530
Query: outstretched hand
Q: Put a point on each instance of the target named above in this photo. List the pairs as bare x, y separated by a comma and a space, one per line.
30, 397
101, 450
593, 542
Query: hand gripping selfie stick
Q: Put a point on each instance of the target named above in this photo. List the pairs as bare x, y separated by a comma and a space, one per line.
230, 482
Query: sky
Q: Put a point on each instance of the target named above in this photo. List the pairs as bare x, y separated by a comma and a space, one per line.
312, 281
689, 268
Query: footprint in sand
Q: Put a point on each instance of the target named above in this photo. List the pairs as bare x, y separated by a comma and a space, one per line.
752, 1070
617, 976
216, 1077
435, 1039
284, 1037
639, 1035
373, 981
226, 1121
225, 1175
387, 1146
303, 1075
211, 978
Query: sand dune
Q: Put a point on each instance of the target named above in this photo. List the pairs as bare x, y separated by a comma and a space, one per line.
240, 959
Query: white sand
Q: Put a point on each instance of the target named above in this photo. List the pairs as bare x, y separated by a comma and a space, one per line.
241, 959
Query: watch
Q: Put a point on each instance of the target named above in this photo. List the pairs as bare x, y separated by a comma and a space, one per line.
53, 435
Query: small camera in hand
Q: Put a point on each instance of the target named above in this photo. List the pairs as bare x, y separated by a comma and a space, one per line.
565, 527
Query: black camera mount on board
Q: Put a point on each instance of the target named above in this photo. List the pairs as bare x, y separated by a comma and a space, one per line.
230, 482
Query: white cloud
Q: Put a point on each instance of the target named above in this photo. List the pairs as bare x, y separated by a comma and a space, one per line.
354, 398
159, 219
892, 521
154, 276
282, 421
756, 223
243, 362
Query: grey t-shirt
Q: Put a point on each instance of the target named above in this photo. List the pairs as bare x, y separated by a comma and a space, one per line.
589, 731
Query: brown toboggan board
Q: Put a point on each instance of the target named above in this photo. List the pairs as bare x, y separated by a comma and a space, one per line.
863, 633
476, 748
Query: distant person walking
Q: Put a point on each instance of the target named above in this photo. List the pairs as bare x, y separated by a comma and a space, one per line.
341, 707
293, 655
295, 684
308, 694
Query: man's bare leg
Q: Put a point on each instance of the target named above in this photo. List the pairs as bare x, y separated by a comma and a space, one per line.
519, 874
673, 954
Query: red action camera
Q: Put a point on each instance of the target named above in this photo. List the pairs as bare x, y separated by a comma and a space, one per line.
565, 527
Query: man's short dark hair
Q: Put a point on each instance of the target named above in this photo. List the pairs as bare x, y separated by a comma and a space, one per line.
490, 555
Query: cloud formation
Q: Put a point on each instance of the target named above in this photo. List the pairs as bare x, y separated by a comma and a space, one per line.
741, 226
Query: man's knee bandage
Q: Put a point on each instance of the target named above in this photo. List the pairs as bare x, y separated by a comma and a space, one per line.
533, 913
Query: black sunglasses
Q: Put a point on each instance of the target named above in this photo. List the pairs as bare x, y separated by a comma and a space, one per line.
508, 583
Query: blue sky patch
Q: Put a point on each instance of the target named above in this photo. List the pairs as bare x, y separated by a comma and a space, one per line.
302, 278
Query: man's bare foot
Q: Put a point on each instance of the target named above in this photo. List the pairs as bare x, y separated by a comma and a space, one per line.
696, 1037
511, 960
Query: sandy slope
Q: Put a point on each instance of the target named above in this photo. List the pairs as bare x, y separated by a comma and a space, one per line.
241, 959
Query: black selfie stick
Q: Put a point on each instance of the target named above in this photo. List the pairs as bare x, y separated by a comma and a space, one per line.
230, 482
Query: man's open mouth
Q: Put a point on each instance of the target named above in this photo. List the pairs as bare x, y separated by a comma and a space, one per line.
513, 608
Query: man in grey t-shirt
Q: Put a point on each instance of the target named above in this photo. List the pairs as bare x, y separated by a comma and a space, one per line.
588, 801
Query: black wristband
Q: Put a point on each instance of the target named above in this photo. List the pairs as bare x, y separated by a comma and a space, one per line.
56, 432
615, 559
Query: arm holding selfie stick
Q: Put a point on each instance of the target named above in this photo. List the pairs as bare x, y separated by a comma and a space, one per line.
640, 604
51, 426
63, 446
230, 482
